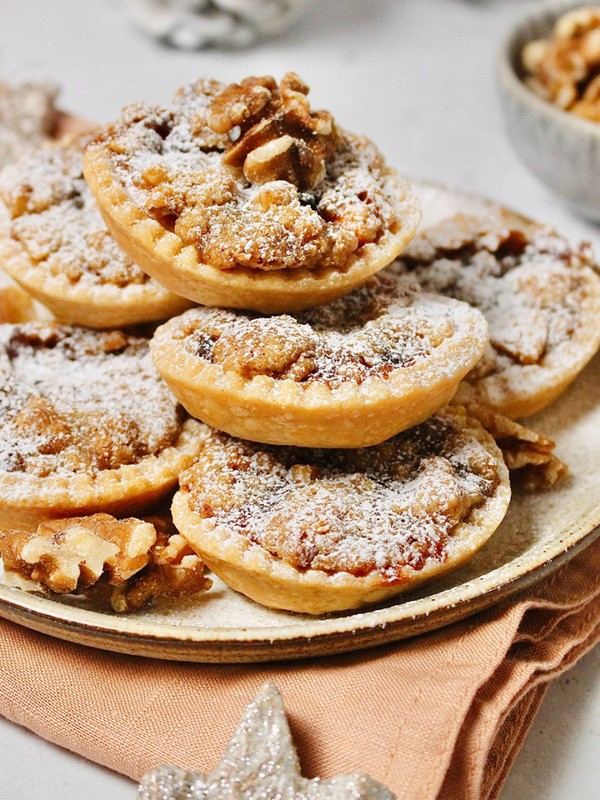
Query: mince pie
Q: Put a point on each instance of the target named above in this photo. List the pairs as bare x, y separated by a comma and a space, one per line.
315, 531
86, 425
348, 374
540, 296
54, 243
242, 196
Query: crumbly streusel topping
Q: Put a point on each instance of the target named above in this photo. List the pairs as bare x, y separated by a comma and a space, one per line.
170, 163
54, 216
375, 509
529, 287
382, 326
75, 400
28, 117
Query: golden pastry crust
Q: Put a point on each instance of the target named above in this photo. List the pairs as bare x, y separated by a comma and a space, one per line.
202, 229
316, 531
349, 374
75, 435
15, 305
54, 243
540, 296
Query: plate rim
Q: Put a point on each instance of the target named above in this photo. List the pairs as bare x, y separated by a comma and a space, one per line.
76, 624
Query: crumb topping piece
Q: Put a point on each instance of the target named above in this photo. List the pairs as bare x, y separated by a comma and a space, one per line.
377, 509
75, 400
251, 177
384, 325
28, 117
130, 558
530, 287
54, 216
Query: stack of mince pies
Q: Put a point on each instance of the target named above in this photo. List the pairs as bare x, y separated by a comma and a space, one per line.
333, 391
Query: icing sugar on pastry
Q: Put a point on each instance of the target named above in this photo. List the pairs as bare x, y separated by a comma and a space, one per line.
379, 328
171, 163
540, 297
54, 243
54, 216
74, 400
348, 374
382, 508
28, 117
86, 425
232, 188
320, 530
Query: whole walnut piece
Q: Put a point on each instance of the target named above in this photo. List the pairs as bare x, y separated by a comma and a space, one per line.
124, 562
273, 132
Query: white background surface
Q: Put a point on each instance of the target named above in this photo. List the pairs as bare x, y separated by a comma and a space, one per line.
418, 77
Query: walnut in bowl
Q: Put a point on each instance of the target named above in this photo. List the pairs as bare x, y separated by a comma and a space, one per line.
560, 147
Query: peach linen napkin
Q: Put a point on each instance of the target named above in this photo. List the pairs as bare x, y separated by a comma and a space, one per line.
439, 716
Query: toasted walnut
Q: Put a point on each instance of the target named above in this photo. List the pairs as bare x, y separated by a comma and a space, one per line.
174, 571
273, 132
577, 22
71, 555
563, 69
528, 455
135, 560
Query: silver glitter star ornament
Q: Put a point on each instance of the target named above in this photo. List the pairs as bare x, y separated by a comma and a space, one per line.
260, 763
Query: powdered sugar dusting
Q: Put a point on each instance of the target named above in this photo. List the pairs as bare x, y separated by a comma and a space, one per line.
28, 117
377, 509
169, 162
385, 325
76, 400
55, 218
531, 287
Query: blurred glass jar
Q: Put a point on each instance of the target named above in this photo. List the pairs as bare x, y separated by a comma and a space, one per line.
194, 24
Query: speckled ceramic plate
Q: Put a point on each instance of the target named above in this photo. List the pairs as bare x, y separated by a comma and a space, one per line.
540, 532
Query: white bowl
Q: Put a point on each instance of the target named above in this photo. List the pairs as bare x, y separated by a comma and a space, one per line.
563, 150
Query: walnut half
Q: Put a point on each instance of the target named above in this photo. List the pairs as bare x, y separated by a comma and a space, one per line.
273, 132
130, 557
